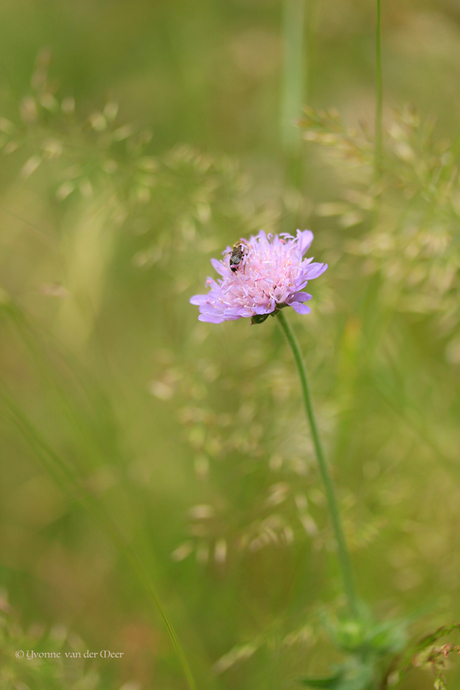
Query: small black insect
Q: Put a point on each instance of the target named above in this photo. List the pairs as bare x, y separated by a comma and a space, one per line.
238, 253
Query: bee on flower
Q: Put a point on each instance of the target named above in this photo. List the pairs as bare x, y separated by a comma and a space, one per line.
238, 252
259, 277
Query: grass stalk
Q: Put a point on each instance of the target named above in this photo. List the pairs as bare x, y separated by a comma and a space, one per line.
379, 99
294, 72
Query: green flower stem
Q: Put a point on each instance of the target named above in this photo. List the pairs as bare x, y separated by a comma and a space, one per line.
378, 105
343, 554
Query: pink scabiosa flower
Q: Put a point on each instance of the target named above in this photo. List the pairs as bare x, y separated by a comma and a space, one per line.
259, 277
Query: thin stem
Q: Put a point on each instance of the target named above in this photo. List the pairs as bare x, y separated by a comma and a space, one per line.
378, 105
343, 554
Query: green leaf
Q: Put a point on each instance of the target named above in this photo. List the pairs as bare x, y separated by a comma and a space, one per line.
331, 682
352, 675
259, 318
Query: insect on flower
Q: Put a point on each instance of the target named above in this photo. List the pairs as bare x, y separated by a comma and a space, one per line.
273, 276
239, 251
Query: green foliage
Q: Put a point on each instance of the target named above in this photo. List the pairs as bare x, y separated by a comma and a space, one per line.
369, 646
352, 676
426, 655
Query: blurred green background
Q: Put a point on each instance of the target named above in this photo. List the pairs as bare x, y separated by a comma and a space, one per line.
139, 139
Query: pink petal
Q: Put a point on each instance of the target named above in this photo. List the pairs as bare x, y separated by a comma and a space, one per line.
219, 267
304, 240
199, 299
209, 318
300, 308
315, 270
299, 297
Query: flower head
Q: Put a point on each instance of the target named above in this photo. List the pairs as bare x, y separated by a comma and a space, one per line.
259, 277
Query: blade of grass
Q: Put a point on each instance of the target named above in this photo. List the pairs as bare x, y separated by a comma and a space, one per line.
294, 82
379, 102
